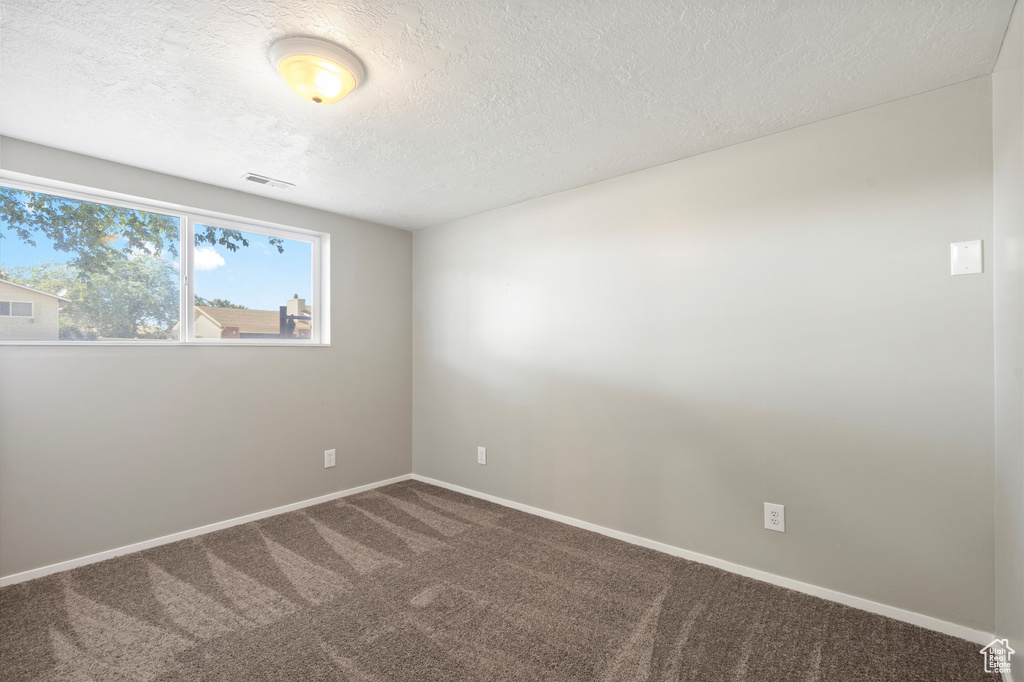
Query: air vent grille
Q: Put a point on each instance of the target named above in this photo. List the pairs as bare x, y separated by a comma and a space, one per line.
264, 180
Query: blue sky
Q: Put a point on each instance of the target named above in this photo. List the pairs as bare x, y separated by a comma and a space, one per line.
256, 276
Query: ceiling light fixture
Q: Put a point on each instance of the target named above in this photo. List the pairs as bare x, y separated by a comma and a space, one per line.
317, 70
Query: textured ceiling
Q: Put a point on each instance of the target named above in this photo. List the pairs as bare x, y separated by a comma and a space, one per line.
469, 104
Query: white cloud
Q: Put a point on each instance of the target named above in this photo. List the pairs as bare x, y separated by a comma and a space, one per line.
147, 248
207, 258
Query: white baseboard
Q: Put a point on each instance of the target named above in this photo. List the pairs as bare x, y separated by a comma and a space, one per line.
929, 622
945, 627
174, 537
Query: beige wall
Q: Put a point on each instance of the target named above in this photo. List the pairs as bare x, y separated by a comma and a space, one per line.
102, 446
205, 329
658, 353
42, 326
1008, 275
663, 352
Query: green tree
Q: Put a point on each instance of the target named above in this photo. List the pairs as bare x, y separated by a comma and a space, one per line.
218, 303
116, 302
97, 234
118, 277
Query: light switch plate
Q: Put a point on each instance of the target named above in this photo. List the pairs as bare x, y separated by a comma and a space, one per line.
965, 258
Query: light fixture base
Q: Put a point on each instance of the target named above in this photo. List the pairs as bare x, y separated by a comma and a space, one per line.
313, 53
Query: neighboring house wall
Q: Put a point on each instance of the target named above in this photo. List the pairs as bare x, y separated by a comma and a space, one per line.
205, 327
42, 326
1008, 274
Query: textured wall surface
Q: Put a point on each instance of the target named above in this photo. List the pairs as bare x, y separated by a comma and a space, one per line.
469, 104
774, 322
103, 446
1008, 300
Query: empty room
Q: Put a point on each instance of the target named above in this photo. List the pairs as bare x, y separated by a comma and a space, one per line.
565, 340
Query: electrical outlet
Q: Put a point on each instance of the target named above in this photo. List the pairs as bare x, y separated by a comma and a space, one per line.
481, 456
775, 517
328, 459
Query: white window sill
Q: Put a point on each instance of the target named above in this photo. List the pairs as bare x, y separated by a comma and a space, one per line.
169, 344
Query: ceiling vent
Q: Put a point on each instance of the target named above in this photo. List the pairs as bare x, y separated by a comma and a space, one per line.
270, 182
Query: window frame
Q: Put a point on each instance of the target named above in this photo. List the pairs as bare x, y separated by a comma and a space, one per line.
265, 230
10, 309
188, 217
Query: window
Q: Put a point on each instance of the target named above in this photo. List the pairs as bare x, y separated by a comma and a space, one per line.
16, 308
252, 286
85, 269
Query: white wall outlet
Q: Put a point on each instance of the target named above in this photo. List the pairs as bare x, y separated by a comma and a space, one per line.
775, 517
481, 455
328, 459
965, 258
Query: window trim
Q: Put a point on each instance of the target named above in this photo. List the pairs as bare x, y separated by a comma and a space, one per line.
266, 230
188, 216
31, 309
10, 309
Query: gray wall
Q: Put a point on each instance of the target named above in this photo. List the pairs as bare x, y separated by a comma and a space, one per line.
1008, 281
663, 352
105, 446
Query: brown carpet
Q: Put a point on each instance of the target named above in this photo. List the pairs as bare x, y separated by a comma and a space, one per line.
413, 582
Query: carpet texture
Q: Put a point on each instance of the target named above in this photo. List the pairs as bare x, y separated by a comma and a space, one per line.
414, 582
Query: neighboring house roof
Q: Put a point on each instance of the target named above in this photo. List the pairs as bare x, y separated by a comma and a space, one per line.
151, 331
249, 321
34, 291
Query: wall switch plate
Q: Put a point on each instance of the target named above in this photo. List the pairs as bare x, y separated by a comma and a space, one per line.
328, 459
481, 455
775, 517
965, 258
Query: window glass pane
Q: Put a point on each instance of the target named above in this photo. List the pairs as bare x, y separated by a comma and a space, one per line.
5, 308
249, 286
90, 271
21, 309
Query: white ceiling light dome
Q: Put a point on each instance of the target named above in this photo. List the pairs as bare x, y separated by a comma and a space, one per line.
317, 70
